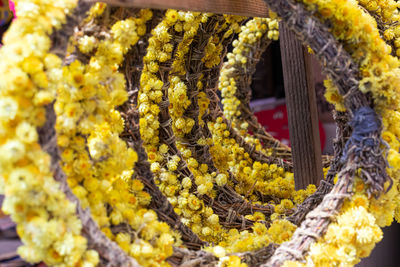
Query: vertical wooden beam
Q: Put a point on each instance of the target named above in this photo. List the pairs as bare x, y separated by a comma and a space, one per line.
302, 111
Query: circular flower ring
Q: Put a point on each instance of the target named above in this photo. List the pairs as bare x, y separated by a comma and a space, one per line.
115, 150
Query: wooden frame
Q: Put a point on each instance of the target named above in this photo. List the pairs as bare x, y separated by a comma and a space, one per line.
248, 8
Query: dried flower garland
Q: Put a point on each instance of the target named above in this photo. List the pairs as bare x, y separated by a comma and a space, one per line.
111, 127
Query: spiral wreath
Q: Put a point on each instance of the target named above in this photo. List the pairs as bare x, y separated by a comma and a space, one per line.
116, 150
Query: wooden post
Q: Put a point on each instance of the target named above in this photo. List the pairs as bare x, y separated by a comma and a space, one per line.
302, 110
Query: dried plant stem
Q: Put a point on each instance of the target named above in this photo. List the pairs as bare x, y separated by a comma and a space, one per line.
358, 156
254, 154
257, 257
99, 27
194, 68
279, 150
243, 75
60, 38
183, 257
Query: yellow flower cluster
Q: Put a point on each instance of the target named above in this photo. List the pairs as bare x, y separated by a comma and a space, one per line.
214, 47
202, 101
389, 17
381, 208
267, 179
30, 75
245, 240
171, 182
281, 231
235, 241
333, 96
191, 22
100, 165
97, 161
252, 33
231, 261
178, 104
208, 227
378, 68
250, 174
213, 51
351, 237
150, 94
357, 229
380, 71
260, 236
203, 178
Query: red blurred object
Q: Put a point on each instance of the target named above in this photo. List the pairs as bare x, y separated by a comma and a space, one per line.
275, 121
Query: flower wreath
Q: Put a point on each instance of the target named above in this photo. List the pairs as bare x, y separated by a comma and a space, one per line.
115, 151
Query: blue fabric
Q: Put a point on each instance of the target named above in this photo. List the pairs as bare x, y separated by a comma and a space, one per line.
364, 123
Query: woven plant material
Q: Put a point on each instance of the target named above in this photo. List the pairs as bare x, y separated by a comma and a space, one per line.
342, 133
337, 63
225, 212
243, 76
270, 229
111, 253
232, 201
132, 136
